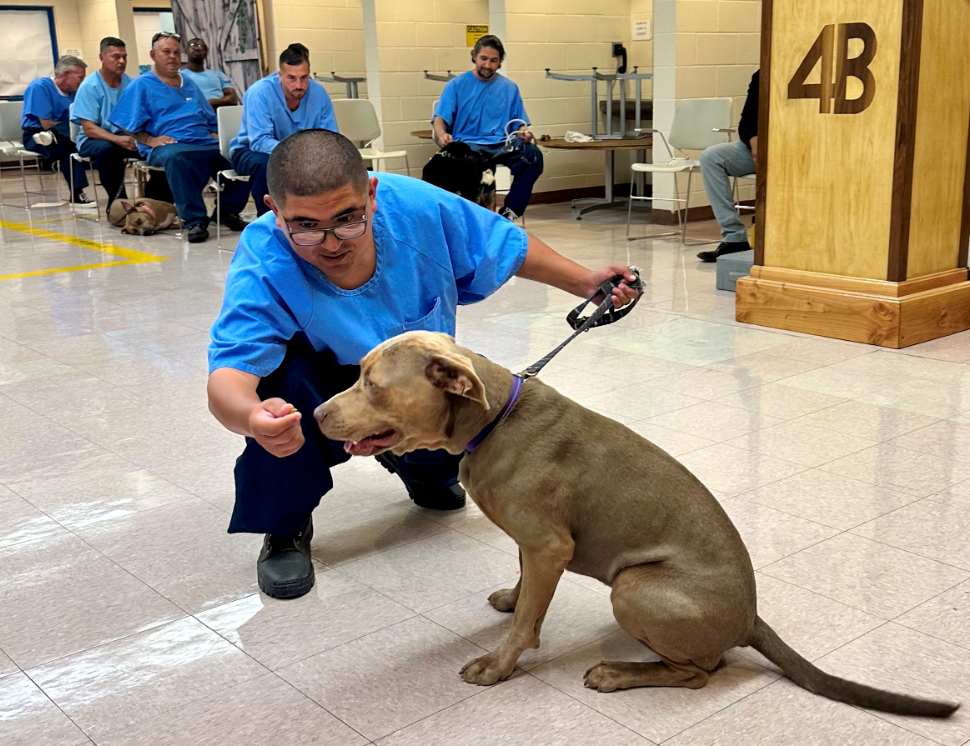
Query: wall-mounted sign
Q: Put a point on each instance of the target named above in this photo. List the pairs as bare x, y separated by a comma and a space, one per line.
474, 33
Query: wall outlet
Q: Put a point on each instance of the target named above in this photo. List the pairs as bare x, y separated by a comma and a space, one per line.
642, 30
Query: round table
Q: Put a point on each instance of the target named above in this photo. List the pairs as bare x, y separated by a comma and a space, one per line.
608, 148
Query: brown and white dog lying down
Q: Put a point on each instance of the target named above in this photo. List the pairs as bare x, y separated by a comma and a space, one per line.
143, 217
579, 491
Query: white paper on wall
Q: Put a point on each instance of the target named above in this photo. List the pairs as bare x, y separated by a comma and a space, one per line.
27, 51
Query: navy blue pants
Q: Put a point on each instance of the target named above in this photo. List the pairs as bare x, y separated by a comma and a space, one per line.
110, 161
525, 163
58, 151
188, 169
249, 163
277, 495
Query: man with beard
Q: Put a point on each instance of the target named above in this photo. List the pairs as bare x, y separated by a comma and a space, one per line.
476, 107
175, 129
214, 84
273, 109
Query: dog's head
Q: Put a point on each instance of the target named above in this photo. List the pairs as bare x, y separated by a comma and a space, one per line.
405, 397
136, 222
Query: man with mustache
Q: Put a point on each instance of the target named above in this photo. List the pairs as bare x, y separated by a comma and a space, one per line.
176, 129
475, 109
273, 109
104, 144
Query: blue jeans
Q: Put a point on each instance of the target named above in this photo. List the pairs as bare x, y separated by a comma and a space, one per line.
719, 164
188, 169
277, 495
249, 163
58, 151
525, 163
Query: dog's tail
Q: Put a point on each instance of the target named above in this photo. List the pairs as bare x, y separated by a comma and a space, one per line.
767, 642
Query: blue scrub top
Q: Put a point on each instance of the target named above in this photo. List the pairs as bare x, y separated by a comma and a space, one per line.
94, 101
435, 251
44, 100
476, 111
210, 82
149, 105
267, 119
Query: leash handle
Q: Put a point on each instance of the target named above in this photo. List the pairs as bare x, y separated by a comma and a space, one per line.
604, 314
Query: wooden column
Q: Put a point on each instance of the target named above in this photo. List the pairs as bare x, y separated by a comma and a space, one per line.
863, 216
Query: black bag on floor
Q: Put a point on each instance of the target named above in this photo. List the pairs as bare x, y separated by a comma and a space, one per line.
459, 169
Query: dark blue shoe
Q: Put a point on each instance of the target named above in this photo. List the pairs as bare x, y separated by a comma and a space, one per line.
448, 496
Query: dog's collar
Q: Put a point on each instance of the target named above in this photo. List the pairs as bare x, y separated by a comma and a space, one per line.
149, 210
513, 398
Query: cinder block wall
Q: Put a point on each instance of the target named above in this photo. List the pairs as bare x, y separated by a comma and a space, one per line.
571, 36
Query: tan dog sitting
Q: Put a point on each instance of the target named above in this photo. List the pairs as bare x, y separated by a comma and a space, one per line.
578, 491
143, 217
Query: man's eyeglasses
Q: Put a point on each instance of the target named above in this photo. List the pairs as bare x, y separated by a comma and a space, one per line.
317, 236
165, 35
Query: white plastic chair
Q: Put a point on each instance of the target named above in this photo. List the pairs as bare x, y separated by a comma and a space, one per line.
75, 131
229, 119
698, 124
357, 121
11, 143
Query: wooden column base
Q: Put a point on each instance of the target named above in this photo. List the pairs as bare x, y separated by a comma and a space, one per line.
888, 314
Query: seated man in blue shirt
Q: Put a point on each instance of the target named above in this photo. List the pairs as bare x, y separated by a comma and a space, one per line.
214, 84
475, 109
273, 109
47, 106
345, 262
176, 130
108, 147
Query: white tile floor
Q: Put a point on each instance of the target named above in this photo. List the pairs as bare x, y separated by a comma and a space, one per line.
128, 617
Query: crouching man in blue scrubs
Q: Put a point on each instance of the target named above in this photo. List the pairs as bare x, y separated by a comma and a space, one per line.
176, 129
273, 109
344, 263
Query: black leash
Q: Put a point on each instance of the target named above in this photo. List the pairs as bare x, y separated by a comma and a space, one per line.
605, 313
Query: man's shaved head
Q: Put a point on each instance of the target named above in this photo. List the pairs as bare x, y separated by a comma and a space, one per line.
313, 162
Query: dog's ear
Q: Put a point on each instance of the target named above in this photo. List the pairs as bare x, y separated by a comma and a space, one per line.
128, 206
456, 375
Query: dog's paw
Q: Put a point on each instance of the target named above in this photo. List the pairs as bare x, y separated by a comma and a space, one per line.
486, 670
604, 677
504, 600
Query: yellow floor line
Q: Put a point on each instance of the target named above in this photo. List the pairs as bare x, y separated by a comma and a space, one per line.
131, 256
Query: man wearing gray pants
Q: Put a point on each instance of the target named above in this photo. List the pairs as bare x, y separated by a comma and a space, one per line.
719, 164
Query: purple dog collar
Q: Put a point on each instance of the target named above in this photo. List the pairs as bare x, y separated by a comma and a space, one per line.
513, 398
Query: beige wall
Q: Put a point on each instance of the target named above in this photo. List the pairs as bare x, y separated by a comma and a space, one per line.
97, 19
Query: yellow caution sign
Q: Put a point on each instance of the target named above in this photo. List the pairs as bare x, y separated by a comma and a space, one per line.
474, 33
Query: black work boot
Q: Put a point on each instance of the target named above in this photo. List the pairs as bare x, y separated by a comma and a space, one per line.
449, 496
284, 568
726, 247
